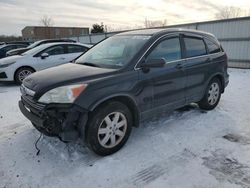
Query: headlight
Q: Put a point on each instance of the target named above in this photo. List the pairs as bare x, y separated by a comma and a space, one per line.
6, 64
64, 94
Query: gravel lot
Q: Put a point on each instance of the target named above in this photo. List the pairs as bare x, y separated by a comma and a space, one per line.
186, 148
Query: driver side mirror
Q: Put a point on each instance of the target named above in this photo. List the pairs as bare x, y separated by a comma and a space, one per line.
154, 63
44, 55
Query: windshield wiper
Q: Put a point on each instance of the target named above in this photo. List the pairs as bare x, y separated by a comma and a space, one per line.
90, 64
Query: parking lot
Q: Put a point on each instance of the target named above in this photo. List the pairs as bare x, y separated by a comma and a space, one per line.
186, 148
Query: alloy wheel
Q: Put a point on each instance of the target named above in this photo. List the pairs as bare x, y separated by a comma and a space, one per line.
112, 129
23, 74
213, 93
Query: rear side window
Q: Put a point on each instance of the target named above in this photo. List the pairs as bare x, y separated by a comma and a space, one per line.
194, 47
212, 47
168, 49
76, 49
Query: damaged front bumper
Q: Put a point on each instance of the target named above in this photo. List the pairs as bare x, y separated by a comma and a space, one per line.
65, 121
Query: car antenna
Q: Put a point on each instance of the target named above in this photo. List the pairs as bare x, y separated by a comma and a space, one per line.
38, 150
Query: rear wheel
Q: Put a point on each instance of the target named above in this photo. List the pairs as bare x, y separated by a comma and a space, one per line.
212, 95
22, 73
109, 128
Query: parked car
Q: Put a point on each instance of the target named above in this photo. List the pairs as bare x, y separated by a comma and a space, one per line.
26, 43
7, 47
16, 68
35, 44
122, 80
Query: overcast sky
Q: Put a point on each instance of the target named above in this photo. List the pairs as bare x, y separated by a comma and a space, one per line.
16, 14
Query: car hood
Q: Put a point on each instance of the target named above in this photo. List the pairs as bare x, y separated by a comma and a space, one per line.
66, 74
10, 59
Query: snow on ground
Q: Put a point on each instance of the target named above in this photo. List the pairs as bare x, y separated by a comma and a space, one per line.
187, 148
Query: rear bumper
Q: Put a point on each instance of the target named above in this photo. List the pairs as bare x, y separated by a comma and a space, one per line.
65, 122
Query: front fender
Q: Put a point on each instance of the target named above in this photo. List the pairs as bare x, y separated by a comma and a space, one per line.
110, 97
125, 98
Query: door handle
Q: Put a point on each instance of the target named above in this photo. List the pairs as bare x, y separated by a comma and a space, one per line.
62, 58
179, 66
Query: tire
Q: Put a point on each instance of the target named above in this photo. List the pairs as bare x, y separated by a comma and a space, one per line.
101, 135
212, 95
22, 73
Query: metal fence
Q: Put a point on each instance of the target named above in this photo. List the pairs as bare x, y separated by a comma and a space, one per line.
234, 35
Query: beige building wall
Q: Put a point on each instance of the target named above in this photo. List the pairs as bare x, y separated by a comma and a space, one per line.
33, 33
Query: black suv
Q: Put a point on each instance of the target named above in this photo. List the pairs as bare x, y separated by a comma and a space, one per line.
121, 80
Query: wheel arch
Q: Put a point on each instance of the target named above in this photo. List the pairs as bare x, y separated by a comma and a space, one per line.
221, 78
125, 99
24, 66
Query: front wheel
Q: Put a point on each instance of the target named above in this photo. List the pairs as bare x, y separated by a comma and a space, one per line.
22, 73
212, 95
109, 128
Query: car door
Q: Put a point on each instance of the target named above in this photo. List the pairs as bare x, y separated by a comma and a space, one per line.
74, 51
167, 82
196, 66
56, 56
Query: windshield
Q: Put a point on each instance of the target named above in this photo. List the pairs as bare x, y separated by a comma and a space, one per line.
114, 52
33, 44
34, 50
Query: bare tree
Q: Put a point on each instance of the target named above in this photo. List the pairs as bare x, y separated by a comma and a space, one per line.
9, 38
47, 21
155, 23
229, 12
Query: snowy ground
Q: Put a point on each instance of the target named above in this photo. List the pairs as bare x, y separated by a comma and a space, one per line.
187, 148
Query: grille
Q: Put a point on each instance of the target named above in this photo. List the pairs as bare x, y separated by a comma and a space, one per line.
3, 75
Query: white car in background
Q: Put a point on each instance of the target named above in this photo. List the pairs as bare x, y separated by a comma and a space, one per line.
16, 68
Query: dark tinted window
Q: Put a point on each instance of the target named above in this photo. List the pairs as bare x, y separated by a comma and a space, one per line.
8, 48
55, 50
20, 46
194, 47
76, 49
212, 47
168, 49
